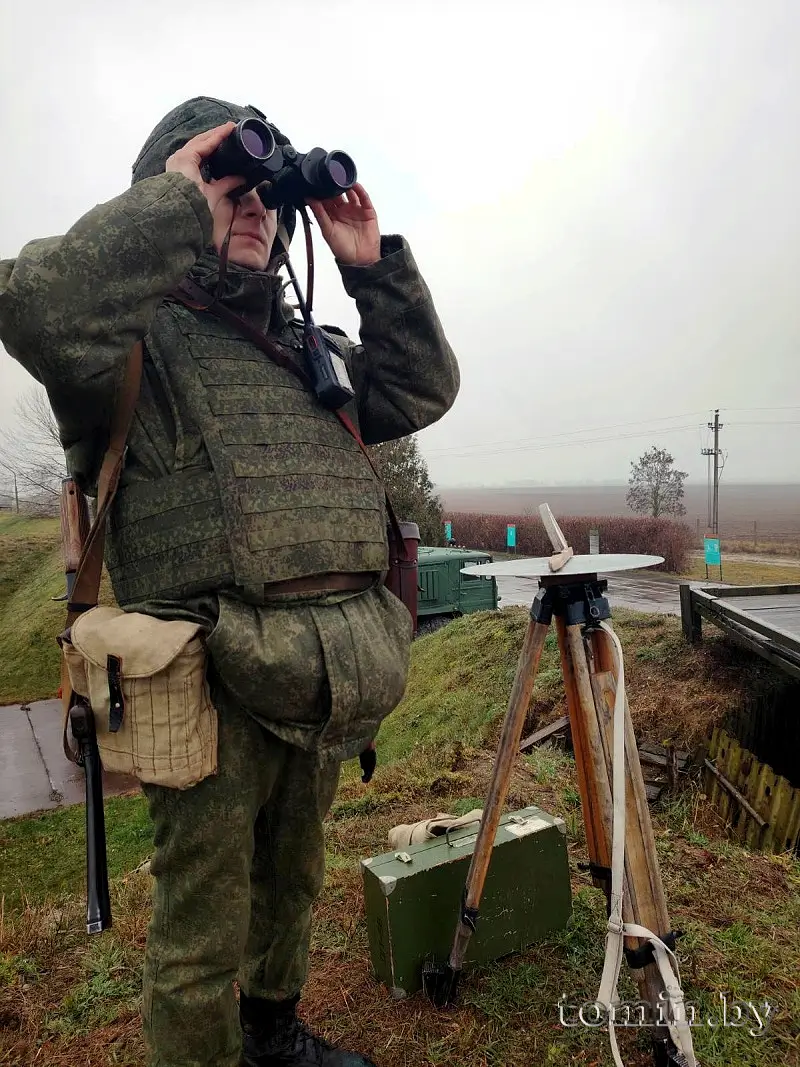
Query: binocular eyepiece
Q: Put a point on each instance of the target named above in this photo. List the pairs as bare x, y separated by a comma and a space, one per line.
283, 175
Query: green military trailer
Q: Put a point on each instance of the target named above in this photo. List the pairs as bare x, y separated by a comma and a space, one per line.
444, 592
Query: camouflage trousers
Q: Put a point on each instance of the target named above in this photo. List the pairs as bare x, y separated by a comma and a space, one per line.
238, 861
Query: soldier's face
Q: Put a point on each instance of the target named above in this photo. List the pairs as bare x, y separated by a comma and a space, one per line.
253, 230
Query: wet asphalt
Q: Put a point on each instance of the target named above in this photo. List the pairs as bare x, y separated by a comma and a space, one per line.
639, 590
35, 775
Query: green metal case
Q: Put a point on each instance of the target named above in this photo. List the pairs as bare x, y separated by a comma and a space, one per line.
413, 897
444, 590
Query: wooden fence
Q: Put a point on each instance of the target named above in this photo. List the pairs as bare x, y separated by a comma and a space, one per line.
761, 807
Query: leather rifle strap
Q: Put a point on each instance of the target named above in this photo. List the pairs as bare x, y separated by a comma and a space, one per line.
87, 577
86, 590
191, 294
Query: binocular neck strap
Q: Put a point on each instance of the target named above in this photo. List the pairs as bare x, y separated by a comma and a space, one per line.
309, 261
223, 255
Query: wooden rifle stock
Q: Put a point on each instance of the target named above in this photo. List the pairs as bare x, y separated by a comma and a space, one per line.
74, 530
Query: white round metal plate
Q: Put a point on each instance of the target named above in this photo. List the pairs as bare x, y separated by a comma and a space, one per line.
540, 568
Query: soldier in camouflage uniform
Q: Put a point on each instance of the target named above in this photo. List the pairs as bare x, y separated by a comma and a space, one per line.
247, 506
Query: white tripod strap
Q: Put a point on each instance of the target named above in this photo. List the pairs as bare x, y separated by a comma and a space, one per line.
675, 1015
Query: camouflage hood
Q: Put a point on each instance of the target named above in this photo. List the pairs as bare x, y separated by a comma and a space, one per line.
184, 122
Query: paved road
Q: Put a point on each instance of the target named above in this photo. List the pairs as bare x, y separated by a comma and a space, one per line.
638, 590
34, 773
641, 590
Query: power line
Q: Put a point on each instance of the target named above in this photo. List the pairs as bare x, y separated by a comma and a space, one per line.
567, 444
783, 407
564, 433
493, 448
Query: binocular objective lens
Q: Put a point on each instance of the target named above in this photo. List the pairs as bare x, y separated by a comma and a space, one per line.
341, 169
257, 143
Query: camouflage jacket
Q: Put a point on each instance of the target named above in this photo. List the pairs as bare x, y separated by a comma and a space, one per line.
71, 308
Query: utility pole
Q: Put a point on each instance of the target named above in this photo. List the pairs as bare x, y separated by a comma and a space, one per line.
716, 426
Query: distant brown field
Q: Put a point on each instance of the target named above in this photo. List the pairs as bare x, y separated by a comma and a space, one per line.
774, 508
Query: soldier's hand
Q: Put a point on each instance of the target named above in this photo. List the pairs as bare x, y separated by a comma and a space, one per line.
349, 224
187, 161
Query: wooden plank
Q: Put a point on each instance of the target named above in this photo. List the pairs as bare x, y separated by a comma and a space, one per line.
782, 798
749, 787
755, 836
557, 538
661, 759
782, 639
768, 842
741, 635
734, 793
691, 620
556, 727
742, 816
734, 765
712, 785
754, 590
792, 838
723, 796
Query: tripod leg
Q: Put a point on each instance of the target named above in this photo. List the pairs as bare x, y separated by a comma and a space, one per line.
507, 749
594, 783
645, 889
591, 686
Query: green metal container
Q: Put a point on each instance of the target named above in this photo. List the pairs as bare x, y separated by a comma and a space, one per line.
413, 897
445, 591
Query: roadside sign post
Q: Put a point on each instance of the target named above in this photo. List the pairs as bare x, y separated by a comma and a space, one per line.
511, 538
713, 554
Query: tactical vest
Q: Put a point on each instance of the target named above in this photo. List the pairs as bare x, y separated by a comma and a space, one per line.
267, 485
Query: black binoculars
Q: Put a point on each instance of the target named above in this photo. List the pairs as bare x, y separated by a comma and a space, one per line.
283, 175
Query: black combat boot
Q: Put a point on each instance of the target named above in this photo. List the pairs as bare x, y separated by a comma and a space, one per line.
273, 1036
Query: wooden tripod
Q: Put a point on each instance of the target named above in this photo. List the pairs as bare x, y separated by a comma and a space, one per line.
577, 605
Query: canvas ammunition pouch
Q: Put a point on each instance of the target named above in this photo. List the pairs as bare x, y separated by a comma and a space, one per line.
145, 680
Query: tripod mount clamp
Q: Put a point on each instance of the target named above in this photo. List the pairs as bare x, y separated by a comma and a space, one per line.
579, 600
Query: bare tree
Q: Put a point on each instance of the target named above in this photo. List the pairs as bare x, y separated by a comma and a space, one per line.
31, 452
655, 487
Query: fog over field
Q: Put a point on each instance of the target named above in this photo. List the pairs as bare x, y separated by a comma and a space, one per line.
776, 508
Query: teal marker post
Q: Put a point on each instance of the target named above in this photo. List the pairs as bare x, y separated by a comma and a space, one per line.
713, 554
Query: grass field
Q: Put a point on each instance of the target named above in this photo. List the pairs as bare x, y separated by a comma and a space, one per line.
737, 572
31, 574
66, 1000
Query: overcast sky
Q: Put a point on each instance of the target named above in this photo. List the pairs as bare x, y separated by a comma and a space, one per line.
602, 195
